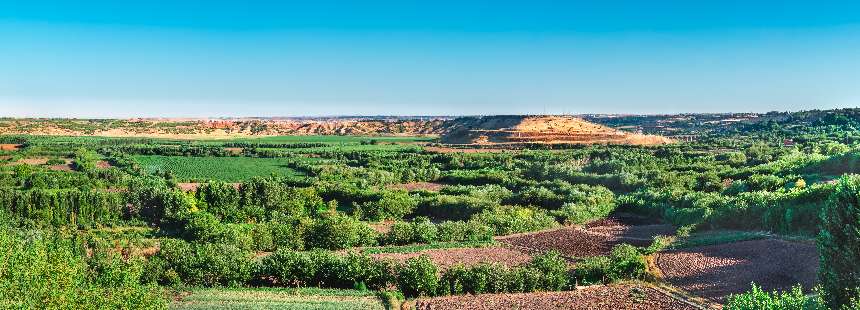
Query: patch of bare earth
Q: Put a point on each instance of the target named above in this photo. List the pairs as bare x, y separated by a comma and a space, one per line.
382, 227
34, 161
9, 147
716, 271
234, 150
595, 239
413, 186
103, 164
622, 296
65, 167
447, 258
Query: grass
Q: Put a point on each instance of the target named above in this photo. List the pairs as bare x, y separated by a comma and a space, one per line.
718, 237
351, 147
227, 169
277, 298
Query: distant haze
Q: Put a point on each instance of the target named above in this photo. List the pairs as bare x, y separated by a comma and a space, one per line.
274, 58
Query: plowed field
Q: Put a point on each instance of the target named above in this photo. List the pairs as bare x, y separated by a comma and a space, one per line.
716, 271
596, 297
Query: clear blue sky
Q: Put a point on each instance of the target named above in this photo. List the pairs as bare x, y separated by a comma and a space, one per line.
287, 58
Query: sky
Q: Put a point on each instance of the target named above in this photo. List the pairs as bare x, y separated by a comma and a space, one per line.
320, 58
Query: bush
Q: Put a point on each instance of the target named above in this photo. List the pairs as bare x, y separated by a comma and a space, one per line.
261, 234
392, 205
464, 231
757, 299
336, 232
545, 272
52, 272
203, 227
289, 233
552, 269
325, 269
623, 263
206, 264
418, 277
513, 219
571, 213
839, 243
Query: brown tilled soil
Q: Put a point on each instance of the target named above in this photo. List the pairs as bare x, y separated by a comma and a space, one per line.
447, 258
427, 186
10, 147
594, 240
625, 296
716, 271
103, 164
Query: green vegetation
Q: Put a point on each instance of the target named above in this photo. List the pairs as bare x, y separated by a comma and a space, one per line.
114, 227
278, 298
227, 169
839, 244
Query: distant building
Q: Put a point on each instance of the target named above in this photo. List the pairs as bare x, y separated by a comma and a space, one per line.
787, 142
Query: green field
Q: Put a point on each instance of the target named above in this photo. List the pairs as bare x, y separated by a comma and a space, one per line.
227, 169
332, 139
278, 299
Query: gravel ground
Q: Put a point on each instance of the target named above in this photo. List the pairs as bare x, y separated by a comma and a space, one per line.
717, 271
446, 258
629, 296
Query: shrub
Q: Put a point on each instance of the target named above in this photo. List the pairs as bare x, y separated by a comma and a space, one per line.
261, 234
203, 227
336, 232
392, 205
222, 200
453, 281
418, 277
325, 269
839, 243
52, 272
552, 269
206, 264
486, 278
623, 263
289, 233
423, 231
757, 299
580, 213
464, 231
514, 219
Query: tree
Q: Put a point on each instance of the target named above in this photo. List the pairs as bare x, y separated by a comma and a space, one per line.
839, 243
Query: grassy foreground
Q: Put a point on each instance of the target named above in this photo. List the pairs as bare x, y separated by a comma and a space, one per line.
268, 298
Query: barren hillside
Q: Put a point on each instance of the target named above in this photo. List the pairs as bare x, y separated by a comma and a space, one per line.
464, 130
540, 129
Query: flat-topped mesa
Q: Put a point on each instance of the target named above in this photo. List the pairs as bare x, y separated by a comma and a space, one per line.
508, 129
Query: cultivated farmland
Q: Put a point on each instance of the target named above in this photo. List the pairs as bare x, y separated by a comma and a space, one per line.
248, 219
227, 169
